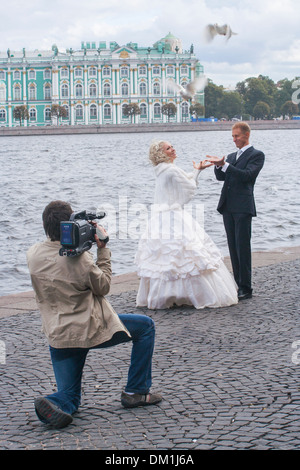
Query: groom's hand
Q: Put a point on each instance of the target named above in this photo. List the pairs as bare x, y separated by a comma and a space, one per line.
216, 160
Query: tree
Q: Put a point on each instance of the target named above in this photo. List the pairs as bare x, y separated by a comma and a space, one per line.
213, 95
230, 105
261, 110
289, 109
21, 113
131, 110
58, 111
169, 109
197, 109
258, 89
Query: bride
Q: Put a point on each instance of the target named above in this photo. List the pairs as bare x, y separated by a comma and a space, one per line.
177, 262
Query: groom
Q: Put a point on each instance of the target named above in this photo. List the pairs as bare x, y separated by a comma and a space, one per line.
237, 205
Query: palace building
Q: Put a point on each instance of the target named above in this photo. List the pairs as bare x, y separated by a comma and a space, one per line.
95, 82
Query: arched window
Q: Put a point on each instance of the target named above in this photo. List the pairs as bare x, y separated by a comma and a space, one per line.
47, 114
47, 92
93, 111
32, 114
107, 111
93, 90
143, 89
157, 111
79, 112
17, 92
67, 111
2, 115
32, 91
156, 88
31, 74
65, 91
17, 75
78, 90
185, 109
124, 89
143, 108
106, 89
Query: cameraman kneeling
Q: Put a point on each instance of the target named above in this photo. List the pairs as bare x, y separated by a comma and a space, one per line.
76, 317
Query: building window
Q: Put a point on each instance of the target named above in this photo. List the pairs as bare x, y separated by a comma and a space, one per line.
79, 112
93, 111
67, 112
47, 114
124, 89
184, 69
17, 75
143, 89
17, 92
106, 71
156, 89
157, 111
32, 92
185, 109
123, 114
32, 114
31, 74
107, 111
78, 72
64, 91
143, 70
78, 90
106, 89
2, 92
143, 109
124, 72
2, 75
156, 70
47, 92
47, 74
2, 115
92, 72
93, 90
64, 73
170, 70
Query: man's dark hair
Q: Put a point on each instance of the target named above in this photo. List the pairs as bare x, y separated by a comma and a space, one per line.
54, 213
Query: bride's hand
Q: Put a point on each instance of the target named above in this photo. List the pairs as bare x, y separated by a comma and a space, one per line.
202, 165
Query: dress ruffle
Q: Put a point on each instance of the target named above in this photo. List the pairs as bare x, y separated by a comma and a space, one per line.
179, 263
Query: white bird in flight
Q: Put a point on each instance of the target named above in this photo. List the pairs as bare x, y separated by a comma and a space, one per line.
188, 92
213, 30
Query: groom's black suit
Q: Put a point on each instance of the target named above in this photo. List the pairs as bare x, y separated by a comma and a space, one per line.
237, 206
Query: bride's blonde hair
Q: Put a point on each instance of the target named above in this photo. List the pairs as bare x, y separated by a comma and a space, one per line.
157, 154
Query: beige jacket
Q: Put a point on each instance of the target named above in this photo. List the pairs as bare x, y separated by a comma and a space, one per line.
70, 296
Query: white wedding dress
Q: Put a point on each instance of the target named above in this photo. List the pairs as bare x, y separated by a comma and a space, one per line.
177, 262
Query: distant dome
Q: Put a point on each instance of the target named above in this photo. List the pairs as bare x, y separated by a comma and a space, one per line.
171, 42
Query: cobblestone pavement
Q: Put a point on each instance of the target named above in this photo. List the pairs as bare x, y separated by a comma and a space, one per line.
229, 377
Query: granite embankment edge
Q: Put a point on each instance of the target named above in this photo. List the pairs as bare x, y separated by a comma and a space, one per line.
144, 128
24, 302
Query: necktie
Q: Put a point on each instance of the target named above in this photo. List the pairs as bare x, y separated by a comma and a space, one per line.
239, 153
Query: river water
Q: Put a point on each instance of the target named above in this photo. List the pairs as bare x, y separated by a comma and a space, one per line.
111, 171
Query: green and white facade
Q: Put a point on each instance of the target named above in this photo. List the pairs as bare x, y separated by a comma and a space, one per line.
94, 83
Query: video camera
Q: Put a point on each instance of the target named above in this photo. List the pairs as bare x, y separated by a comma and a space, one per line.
78, 234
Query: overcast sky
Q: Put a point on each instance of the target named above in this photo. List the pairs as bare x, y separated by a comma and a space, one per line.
268, 40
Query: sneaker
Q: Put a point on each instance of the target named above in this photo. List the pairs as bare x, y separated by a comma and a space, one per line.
51, 414
131, 401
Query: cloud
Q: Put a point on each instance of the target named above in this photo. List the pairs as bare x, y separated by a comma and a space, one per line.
267, 41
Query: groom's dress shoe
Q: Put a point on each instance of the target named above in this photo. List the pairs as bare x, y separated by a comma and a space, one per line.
242, 294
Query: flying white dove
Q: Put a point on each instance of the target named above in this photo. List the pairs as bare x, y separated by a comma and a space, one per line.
188, 92
213, 30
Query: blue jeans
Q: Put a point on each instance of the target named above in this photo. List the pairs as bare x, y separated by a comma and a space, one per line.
68, 363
